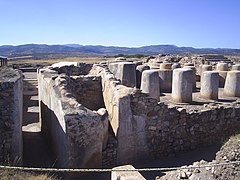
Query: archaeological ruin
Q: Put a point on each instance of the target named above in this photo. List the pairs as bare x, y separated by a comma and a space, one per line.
121, 111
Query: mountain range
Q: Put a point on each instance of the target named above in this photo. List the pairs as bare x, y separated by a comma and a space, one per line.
97, 50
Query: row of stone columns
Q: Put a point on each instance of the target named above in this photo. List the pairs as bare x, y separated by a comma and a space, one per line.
180, 81
182, 84
3, 62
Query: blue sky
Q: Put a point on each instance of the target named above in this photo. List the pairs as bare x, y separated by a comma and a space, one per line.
133, 23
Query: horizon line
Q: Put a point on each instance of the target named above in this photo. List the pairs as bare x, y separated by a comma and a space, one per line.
65, 44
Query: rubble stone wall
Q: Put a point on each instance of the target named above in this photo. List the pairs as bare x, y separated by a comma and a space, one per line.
145, 128
11, 104
88, 91
173, 129
140, 127
75, 132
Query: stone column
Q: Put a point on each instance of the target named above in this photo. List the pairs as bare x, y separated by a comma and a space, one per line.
188, 64
204, 68
236, 67
165, 80
222, 78
194, 75
182, 85
128, 75
150, 83
125, 72
232, 84
166, 66
222, 67
209, 85
154, 65
139, 70
176, 65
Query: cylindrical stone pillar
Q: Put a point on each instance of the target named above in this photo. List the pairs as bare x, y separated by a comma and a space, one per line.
194, 82
222, 67
222, 78
176, 65
139, 70
127, 73
154, 65
188, 64
209, 85
165, 80
182, 85
165, 66
232, 84
236, 67
137, 63
206, 67
150, 83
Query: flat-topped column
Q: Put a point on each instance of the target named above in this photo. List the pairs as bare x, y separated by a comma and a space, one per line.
182, 85
236, 67
222, 67
232, 84
188, 64
209, 85
125, 72
194, 80
154, 65
150, 83
128, 75
165, 66
205, 67
139, 70
176, 65
165, 80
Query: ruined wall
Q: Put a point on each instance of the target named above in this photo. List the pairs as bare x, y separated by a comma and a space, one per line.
170, 129
145, 128
88, 91
139, 126
11, 102
75, 132
128, 131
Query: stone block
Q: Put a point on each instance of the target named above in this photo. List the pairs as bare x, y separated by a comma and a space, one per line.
165, 80
182, 85
150, 83
139, 70
222, 67
209, 85
125, 175
232, 84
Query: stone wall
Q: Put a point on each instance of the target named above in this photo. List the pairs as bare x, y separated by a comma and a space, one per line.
129, 130
145, 128
139, 127
87, 90
11, 101
170, 129
75, 132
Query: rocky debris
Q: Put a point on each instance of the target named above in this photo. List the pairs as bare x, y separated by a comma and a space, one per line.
164, 58
229, 152
8, 74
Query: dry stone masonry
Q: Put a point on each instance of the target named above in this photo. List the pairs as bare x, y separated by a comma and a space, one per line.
11, 101
118, 112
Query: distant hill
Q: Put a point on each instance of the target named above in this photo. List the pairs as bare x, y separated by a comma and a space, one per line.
78, 50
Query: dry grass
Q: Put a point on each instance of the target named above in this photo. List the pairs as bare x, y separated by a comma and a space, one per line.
20, 175
51, 61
